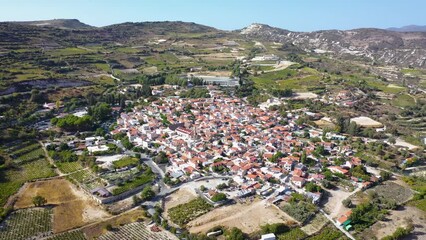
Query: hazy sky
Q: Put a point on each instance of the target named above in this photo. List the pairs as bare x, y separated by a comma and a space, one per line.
297, 15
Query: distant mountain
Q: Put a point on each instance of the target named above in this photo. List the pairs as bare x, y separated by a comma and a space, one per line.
370, 44
409, 28
58, 23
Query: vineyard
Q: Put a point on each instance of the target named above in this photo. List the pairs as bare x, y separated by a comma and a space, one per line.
22, 224
136, 230
69, 167
28, 163
72, 235
82, 176
184, 213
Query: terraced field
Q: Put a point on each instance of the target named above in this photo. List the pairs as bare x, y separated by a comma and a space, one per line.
23, 224
418, 124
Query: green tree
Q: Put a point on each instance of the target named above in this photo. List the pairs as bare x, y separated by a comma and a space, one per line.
303, 158
276, 228
347, 203
234, 234
147, 193
385, 175
39, 201
219, 197
312, 187
101, 111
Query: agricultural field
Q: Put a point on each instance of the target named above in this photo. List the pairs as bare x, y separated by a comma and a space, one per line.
403, 100
137, 230
391, 190
329, 233
71, 235
125, 162
315, 225
137, 181
69, 167
293, 234
72, 207
82, 176
29, 163
26, 223
184, 213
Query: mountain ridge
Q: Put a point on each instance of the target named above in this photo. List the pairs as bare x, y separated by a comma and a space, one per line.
406, 49
408, 28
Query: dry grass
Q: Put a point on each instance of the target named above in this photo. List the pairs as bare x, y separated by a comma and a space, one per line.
247, 217
73, 208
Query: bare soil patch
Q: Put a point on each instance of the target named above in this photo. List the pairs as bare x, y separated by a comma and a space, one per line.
334, 204
72, 207
248, 217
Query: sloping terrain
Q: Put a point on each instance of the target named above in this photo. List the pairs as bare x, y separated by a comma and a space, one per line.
387, 47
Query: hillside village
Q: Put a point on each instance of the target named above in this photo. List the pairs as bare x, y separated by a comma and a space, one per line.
173, 130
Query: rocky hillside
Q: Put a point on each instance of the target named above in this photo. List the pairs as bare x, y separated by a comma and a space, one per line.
387, 47
58, 23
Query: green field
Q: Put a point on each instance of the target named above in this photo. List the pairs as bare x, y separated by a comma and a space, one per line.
31, 165
290, 78
68, 52
125, 162
403, 100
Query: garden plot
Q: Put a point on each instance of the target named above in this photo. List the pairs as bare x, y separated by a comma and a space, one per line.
123, 175
23, 224
137, 230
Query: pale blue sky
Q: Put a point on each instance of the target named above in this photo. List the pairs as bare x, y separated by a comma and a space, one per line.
297, 15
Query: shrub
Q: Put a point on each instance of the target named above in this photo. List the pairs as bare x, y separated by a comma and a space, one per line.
219, 197
275, 228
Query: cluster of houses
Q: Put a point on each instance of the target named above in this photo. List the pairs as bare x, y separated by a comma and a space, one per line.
226, 136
